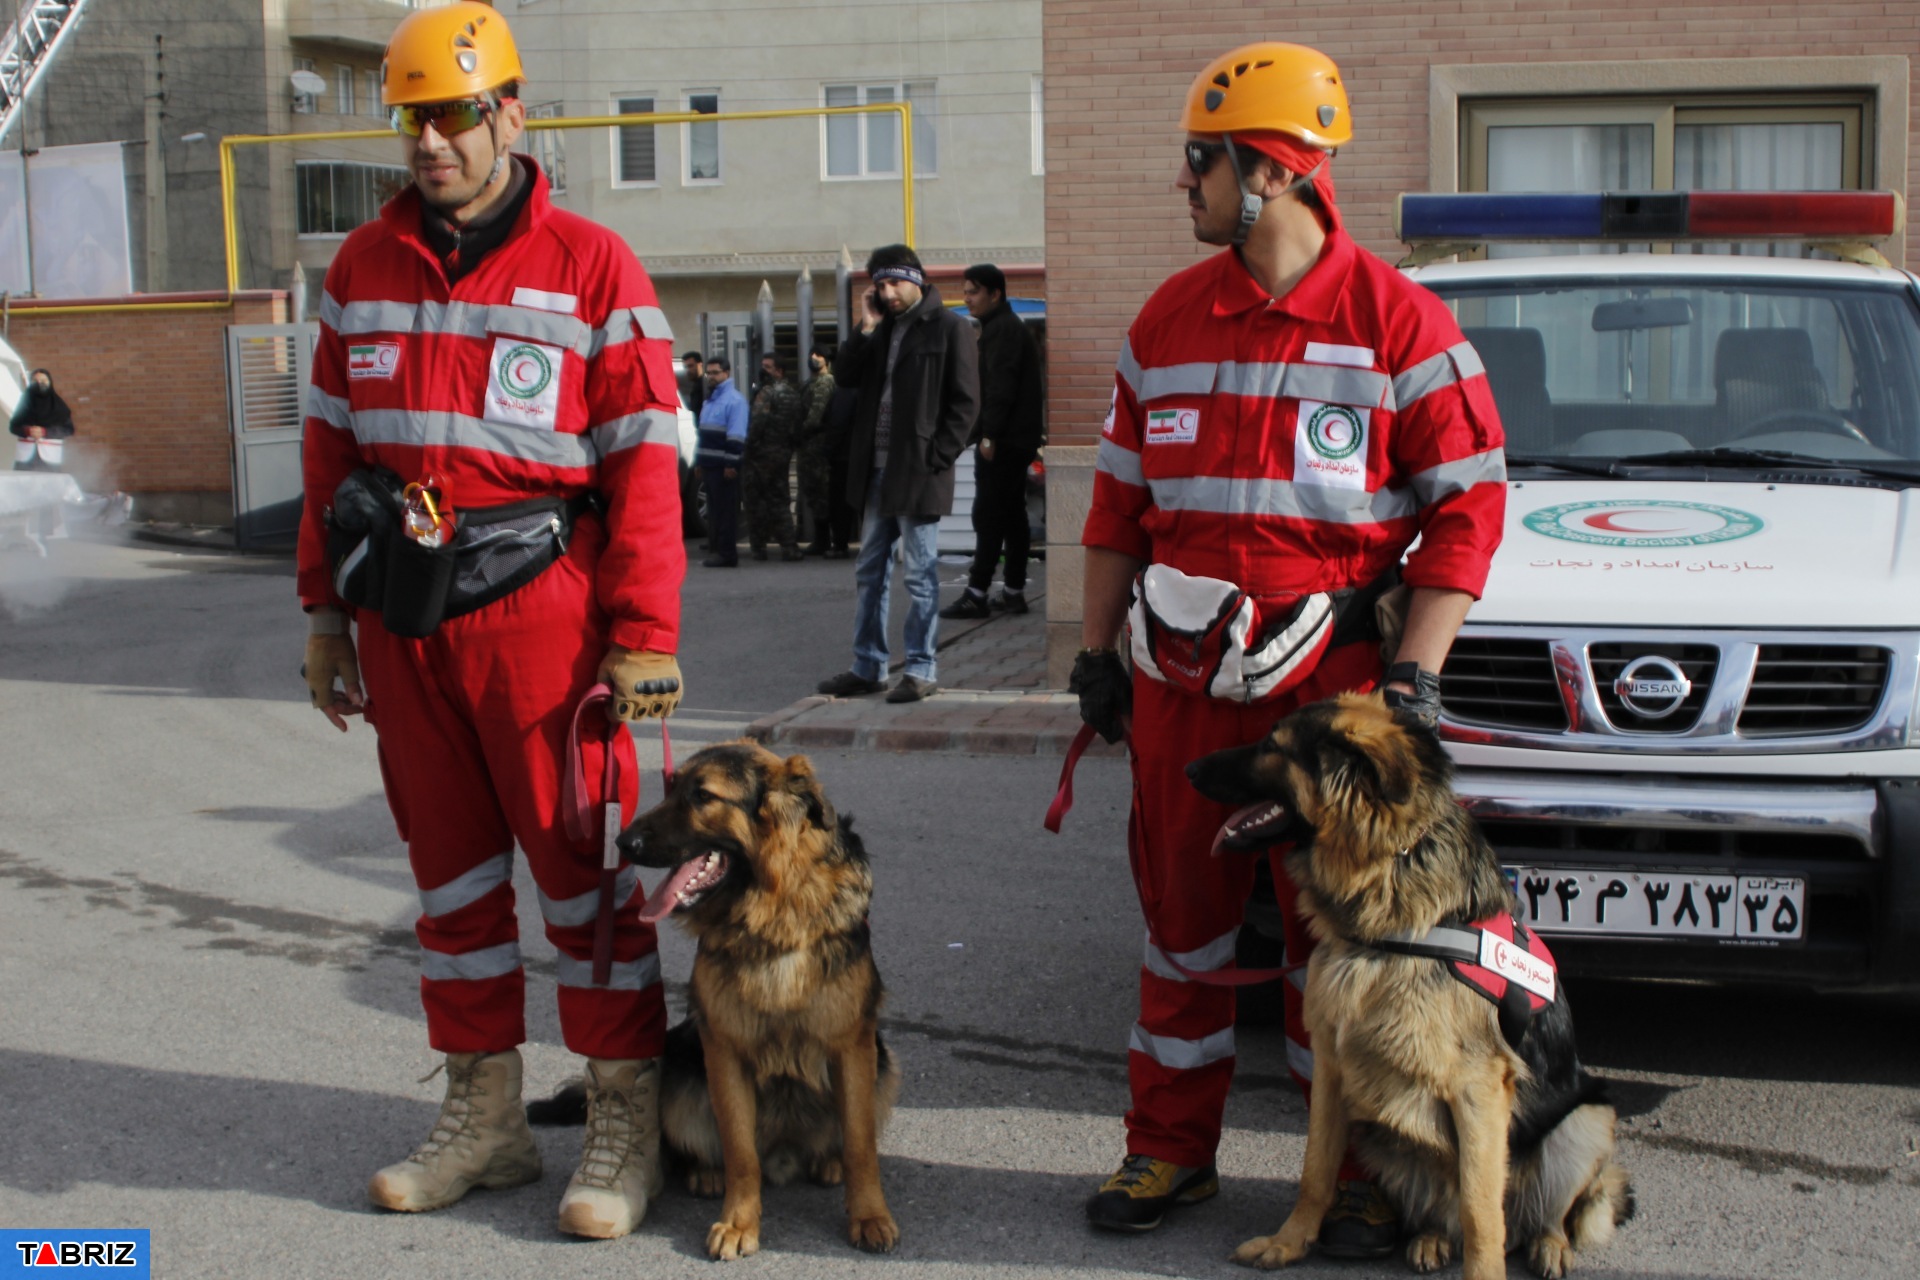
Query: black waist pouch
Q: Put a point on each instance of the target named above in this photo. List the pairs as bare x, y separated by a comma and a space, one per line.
414, 588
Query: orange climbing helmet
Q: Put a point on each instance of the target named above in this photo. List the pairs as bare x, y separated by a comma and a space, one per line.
1286, 88
455, 51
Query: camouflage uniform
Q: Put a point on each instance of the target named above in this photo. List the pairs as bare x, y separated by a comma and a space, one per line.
816, 457
764, 490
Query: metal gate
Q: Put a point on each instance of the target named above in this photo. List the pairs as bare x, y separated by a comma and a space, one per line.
268, 368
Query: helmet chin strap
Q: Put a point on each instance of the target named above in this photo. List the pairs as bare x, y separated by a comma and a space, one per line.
1250, 203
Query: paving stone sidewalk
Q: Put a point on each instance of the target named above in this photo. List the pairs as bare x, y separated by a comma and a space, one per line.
993, 700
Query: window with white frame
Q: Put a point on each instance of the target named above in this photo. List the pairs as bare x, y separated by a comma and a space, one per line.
343, 89
1779, 143
701, 142
634, 157
868, 146
305, 104
333, 197
1039, 129
373, 107
547, 147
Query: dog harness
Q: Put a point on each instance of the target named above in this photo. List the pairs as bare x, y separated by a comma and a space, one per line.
1499, 958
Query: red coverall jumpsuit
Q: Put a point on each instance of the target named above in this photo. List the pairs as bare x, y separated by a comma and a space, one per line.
1333, 426
547, 371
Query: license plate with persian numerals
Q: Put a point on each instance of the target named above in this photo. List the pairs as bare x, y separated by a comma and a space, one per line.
1660, 904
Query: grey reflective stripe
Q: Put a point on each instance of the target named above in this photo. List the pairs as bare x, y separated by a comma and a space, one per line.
617, 329
1183, 1055
1460, 475
1226, 495
1456, 364
1203, 959
332, 410
649, 426
1120, 462
1300, 1059
375, 317
1176, 380
1128, 368
329, 311
438, 427
467, 320
470, 966
582, 908
468, 887
653, 323
1336, 384
628, 975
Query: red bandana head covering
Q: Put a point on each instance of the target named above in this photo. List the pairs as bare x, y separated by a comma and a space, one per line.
1297, 156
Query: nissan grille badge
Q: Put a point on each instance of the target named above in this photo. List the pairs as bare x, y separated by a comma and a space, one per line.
1652, 687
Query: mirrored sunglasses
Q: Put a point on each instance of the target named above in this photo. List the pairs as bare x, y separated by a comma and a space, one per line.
1201, 155
447, 118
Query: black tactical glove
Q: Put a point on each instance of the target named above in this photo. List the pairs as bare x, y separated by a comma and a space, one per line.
1105, 689
1423, 704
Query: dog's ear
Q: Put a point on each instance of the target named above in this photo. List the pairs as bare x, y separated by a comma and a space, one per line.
803, 786
1362, 764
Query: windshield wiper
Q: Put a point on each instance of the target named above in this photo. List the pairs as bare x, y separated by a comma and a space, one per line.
1577, 466
1732, 456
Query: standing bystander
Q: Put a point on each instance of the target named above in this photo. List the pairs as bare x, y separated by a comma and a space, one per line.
692, 381
723, 438
816, 459
1007, 438
766, 491
916, 365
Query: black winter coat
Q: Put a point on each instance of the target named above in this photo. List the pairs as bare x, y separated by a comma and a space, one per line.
936, 399
46, 409
1010, 389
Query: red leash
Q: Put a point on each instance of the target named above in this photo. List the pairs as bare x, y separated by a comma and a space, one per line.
1057, 811
578, 808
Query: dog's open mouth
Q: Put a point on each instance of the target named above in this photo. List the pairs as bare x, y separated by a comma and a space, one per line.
1254, 827
684, 886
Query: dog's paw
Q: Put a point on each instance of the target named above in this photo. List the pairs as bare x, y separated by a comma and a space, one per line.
1429, 1252
1270, 1252
876, 1234
1550, 1256
726, 1242
826, 1173
708, 1184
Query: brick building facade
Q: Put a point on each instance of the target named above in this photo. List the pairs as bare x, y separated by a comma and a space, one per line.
1421, 78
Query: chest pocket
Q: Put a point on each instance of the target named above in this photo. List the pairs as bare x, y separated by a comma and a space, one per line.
526, 364
1333, 422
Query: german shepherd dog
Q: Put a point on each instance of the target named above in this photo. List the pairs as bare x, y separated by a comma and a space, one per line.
779, 1065
1477, 1143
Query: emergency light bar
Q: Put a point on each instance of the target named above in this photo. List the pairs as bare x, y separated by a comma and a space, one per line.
1472, 218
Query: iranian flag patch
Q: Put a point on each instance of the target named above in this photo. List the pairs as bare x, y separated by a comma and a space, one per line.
373, 360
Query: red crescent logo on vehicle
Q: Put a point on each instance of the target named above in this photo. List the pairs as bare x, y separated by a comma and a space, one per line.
1605, 520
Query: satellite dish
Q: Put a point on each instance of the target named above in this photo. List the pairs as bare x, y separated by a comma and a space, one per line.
308, 82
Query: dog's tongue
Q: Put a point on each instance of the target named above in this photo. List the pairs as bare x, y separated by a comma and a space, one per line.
663, 900
1249, 826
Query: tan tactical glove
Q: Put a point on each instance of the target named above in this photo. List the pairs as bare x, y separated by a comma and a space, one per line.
646, 686
331, 657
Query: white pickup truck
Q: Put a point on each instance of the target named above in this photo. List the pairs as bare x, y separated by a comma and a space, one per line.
1685, 710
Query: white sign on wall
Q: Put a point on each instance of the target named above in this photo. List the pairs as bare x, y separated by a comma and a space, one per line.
78, 216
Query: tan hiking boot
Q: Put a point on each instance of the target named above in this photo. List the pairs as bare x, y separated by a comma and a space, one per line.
481, 1138
620, 1164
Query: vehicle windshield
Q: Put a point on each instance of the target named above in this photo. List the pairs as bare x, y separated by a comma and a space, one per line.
1588, 372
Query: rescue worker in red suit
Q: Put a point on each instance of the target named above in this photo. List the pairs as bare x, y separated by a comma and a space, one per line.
477, 340
1288, 416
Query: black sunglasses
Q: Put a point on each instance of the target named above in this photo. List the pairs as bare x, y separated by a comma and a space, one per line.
1201, 156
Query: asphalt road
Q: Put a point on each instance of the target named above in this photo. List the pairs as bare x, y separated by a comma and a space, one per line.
209, 1022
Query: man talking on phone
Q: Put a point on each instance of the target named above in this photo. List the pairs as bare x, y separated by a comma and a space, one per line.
917, 367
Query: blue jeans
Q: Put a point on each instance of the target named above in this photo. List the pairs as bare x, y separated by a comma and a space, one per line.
873, 572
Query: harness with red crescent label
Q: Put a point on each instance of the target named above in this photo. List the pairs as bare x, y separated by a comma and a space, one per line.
1498, 957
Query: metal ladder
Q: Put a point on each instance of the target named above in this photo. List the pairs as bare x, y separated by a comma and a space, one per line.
28, 49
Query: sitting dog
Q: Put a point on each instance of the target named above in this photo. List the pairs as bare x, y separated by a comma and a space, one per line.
1450, 1095
779, 1064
